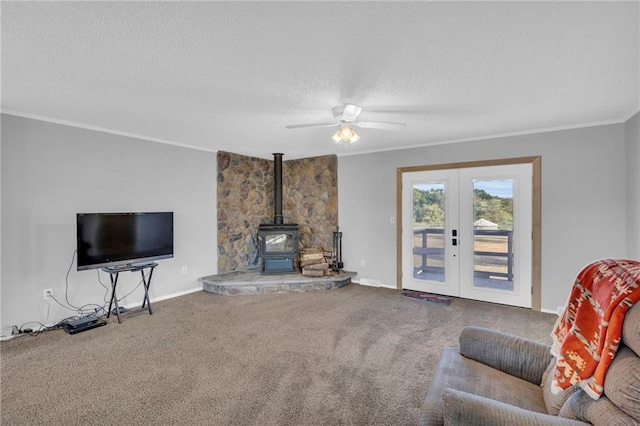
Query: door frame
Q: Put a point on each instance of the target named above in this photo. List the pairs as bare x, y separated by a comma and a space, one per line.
535, 214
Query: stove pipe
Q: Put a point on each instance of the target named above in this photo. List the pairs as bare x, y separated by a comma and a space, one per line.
277, 189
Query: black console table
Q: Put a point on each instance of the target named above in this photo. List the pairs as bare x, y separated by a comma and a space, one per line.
146, 282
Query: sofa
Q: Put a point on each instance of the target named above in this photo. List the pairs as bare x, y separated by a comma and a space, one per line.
493, 378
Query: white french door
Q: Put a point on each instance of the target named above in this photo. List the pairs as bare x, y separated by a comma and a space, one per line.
430, 210
468, 232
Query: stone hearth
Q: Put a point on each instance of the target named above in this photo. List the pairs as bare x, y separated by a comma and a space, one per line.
245, 283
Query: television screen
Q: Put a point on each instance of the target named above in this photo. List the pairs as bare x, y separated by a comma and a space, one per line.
120, 239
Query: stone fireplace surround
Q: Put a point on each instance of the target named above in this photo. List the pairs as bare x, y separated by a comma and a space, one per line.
245, 200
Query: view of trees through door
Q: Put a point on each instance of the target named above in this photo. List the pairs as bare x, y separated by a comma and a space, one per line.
492, 232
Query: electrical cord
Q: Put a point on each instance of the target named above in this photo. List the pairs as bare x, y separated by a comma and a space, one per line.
135, 288
48, 312
81, 309
97, 310
106, 293
66, 291
72, 308
146, 277
41, 328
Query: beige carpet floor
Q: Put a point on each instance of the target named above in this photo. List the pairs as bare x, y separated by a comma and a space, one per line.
352, 356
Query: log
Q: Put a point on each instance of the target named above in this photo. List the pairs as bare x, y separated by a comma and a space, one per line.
312, 255
318, 267
311, 250
313, 262
306, 262
312, 272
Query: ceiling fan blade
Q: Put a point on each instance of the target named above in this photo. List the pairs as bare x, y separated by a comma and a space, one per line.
300, 126
430, 109
380, 125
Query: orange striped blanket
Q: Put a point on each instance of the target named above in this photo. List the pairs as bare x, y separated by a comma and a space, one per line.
587, 334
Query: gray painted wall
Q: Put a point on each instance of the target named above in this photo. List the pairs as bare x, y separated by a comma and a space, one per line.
632, 134
583, 200
51, 172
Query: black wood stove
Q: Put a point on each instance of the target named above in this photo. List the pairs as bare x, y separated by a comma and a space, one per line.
278, 241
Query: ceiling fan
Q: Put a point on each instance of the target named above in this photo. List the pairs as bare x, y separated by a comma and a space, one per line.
345, 116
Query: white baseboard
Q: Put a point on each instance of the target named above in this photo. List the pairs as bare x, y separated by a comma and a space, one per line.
165, 297
392, 287
180, 293
372, 283
369, 282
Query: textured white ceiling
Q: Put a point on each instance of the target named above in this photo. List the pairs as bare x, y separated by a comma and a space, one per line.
230, 75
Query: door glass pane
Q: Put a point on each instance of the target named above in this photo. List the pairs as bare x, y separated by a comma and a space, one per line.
493, 234
428, 231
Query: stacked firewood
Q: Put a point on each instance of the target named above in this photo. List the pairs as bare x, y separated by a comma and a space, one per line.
314, 262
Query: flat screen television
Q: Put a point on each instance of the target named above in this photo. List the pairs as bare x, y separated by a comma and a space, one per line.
123, 239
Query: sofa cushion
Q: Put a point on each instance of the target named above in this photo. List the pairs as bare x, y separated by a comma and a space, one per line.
457, 372
463, 408
622, 383
600, 412
631, 328
551, 401
514, 355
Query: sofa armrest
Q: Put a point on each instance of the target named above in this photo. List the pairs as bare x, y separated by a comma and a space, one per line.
514, 355
462, 408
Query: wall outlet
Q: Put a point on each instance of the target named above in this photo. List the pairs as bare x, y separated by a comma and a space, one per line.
362, 263
47, 293
184, 269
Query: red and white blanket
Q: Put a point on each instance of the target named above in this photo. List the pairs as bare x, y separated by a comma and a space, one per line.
587, 334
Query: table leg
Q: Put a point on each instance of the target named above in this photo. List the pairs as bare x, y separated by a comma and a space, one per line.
114, 298
146, 283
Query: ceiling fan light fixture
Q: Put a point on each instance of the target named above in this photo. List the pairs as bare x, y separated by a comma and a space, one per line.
345, 134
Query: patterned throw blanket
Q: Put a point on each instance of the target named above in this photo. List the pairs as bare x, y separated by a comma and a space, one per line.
587, 334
